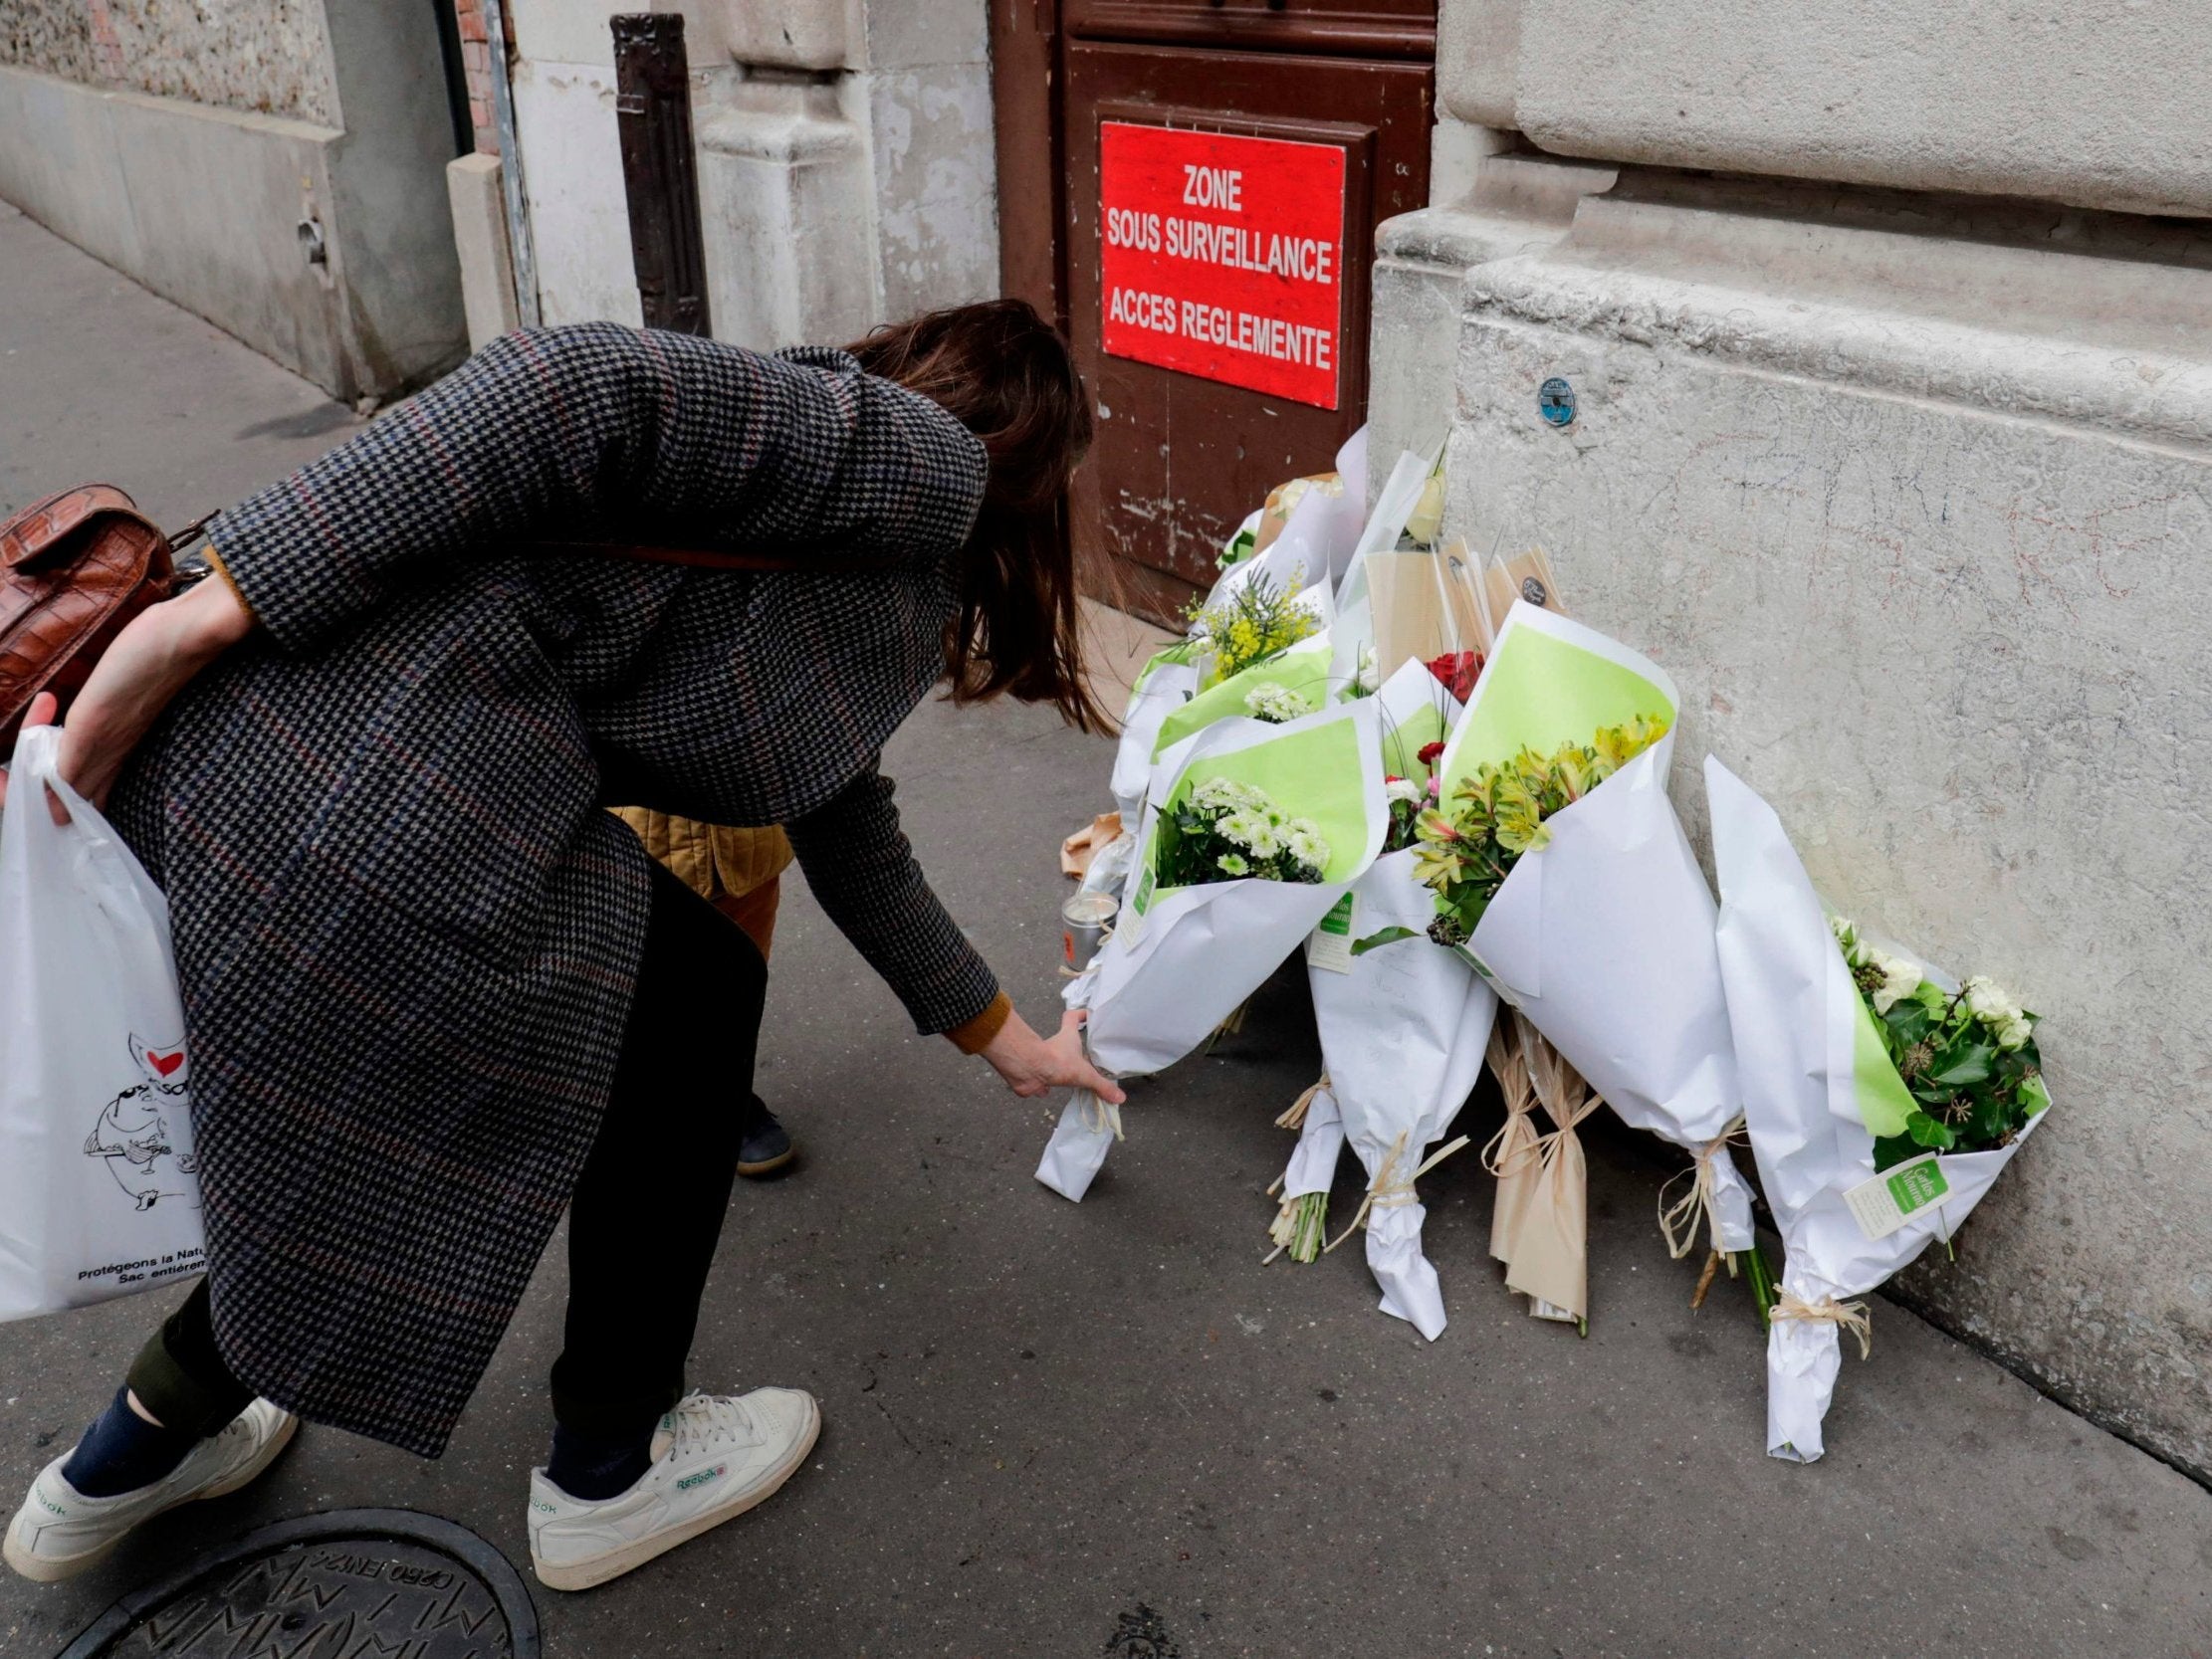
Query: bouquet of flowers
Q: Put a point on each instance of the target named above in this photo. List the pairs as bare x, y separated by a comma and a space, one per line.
1299, 808
1223, 830
1261, 627
1401, 1032
1560, 870
1883, 1098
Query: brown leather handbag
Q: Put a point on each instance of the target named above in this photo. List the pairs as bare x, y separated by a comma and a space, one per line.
74, 569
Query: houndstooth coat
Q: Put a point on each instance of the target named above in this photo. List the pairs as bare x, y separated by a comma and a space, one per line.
406, 933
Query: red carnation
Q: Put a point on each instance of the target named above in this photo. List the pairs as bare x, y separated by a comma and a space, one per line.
1431, 753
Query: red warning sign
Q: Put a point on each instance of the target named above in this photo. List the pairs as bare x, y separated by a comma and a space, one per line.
1224, 257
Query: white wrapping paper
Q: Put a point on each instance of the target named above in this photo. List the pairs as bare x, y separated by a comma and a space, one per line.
1182, 960
1800, 1037
1604, 937
1403, 1031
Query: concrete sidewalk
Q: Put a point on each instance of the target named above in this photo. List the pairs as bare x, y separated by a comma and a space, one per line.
1051, 1426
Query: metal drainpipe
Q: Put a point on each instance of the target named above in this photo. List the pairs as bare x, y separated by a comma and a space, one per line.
511, 169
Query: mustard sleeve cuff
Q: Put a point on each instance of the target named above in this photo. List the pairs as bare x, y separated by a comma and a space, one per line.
974, 1036
216, 564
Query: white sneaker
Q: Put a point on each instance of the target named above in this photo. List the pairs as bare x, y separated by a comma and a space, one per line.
59, 1533
714, 1457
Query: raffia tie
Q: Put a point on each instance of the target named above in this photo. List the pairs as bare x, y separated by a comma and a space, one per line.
1295, 1118
1519, 1090
1390, 1190
1847, 1315
1565, 1096
1681, 1222
1101, 1114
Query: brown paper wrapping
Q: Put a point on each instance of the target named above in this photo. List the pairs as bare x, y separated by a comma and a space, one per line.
1512, 1155
1077, 851
1550, 1252
1421, 609
1525, 576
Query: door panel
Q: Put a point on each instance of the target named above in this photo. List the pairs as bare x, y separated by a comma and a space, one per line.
1354, 28
1178, 459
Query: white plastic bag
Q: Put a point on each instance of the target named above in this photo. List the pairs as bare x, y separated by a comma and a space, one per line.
99, 1195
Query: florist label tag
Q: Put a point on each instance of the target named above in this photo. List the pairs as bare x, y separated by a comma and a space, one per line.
1893, 1197
1330, 944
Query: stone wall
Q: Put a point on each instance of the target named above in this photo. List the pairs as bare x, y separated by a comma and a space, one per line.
262, 57
1899, 457
845, 165
216, 161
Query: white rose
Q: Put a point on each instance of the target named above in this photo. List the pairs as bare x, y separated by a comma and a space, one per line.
1846, 939
1899, 978
1993, 1005
1427, 515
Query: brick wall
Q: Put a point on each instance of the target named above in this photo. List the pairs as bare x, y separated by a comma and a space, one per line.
476, 56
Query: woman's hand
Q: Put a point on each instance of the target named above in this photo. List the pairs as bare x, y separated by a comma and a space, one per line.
1033, 1066
145, 666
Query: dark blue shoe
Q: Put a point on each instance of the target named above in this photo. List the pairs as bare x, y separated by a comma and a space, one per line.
766, 1148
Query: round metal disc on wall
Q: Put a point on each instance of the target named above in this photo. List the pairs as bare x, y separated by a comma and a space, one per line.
370, 1581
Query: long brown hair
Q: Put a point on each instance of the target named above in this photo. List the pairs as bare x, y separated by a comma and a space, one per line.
1008, 376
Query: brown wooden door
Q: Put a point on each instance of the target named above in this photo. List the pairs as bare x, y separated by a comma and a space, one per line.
1198, 417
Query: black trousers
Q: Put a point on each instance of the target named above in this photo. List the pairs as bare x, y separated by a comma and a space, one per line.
647, 1210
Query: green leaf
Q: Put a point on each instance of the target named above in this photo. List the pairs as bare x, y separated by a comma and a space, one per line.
1909, 1021
1929, 1134
1991, 1119
1894, 1150
1963, 1063
1389, 936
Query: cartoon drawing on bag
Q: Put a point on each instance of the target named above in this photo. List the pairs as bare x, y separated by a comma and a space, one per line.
146, 1132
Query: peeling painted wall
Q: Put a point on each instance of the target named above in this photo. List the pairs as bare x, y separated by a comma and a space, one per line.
262, 57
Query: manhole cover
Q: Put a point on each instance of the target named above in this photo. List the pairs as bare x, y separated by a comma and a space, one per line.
330, 1586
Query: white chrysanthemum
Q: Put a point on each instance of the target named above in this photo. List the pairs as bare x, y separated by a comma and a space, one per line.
1240, 828
1216, 794
1232, 863
1279, 704
1265, 842
1307, 848
1405, 789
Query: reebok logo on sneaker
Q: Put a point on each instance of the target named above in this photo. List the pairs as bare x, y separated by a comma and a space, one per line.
703, 1477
